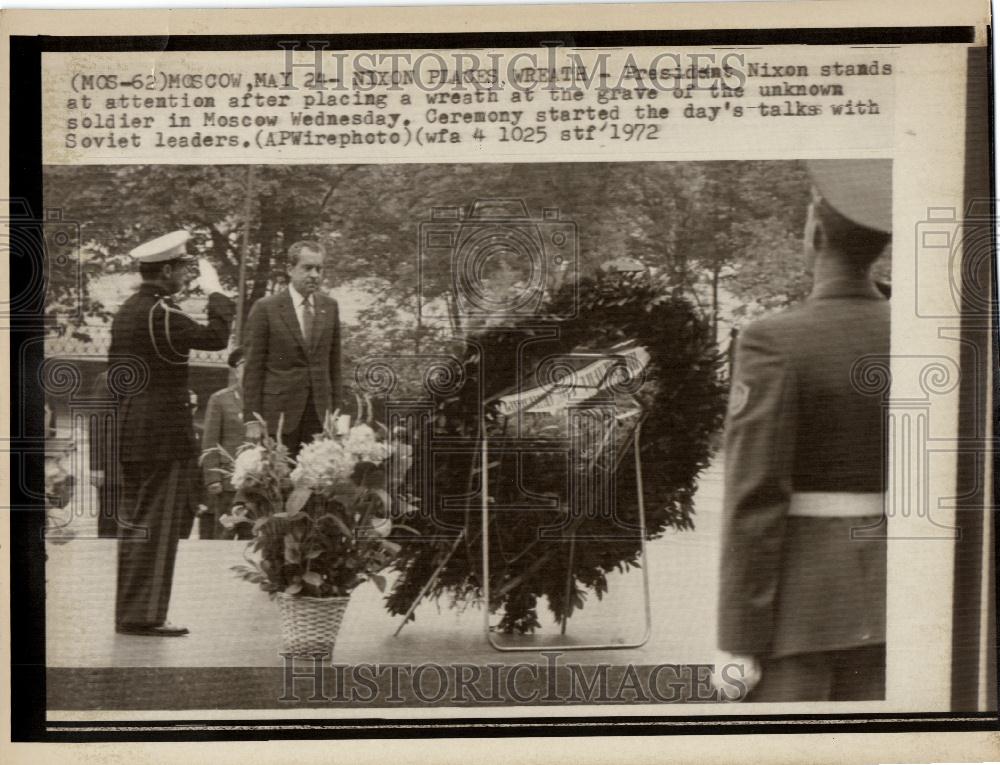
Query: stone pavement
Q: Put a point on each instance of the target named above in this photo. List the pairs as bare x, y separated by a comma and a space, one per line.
234, 625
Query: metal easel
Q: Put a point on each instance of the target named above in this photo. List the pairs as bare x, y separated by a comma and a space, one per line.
485, 520
563, 646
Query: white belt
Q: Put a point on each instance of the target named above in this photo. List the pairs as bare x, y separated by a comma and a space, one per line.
835, 504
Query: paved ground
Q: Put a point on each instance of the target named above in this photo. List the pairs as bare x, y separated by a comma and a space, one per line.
233, 624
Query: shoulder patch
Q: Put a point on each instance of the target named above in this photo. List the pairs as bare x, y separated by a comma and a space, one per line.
739, 395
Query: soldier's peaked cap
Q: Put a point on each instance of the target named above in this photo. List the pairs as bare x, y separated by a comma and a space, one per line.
858, 189
170, 246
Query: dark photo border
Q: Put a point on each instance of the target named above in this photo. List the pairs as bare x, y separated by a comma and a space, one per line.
27, 573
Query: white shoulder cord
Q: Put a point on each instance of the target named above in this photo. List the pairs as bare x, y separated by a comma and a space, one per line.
166, 328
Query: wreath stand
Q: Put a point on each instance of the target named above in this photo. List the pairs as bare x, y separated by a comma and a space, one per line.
486, 520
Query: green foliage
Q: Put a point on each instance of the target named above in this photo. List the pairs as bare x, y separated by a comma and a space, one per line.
320, 542
325, 549
683, 400
689, 222
119, 207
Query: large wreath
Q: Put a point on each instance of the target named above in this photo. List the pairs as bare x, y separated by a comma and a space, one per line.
682, 395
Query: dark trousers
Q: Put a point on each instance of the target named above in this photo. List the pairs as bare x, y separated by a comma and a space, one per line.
187, 523
309, 425
108, 498
209, 526
157, 499
208, 520
853, 674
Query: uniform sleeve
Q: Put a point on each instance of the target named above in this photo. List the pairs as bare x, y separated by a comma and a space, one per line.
255, 341
759, 452
212, 437
181, 333
335, 372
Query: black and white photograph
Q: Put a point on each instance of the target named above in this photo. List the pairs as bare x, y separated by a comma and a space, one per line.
358, 353
611, 425
447, 383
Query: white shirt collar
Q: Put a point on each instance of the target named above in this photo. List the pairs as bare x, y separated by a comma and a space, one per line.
298, 297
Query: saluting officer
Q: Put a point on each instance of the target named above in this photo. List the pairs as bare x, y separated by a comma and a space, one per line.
803, 560
157, 448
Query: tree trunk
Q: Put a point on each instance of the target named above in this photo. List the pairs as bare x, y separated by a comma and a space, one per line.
716, 268
220, 248
265, 241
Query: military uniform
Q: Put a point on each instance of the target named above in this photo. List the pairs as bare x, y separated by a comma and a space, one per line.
803, 559
223, 427
157, 447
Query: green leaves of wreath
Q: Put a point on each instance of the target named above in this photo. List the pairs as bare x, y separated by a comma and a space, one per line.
683, 397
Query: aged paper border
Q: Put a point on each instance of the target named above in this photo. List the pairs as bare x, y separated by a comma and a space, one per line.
839, 747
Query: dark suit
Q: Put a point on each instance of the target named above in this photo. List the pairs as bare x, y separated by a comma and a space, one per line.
805, 594
157, 449
223, 427
283, 375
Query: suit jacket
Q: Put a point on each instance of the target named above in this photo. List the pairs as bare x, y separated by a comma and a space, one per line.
223, 427
281, 372
799, 422
152, 333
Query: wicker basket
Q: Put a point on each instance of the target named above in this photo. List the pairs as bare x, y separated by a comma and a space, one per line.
310, 625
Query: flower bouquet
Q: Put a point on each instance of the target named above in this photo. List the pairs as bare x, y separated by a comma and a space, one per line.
321, 523
60, 486
60, 483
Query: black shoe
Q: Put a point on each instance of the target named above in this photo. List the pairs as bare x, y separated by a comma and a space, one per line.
152, 630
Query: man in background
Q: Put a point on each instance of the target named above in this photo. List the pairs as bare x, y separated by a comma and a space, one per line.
803, 560
293, 353
223, 428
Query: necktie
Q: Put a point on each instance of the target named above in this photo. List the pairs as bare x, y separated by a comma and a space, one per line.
307, 321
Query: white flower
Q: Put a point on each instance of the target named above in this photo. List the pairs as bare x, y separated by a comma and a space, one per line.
247, 466
55, 471
381, 527
360, 442
321, 464
239, 515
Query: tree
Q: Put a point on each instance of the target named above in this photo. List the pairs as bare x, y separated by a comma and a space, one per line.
704, 228
682, 399
119, 207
